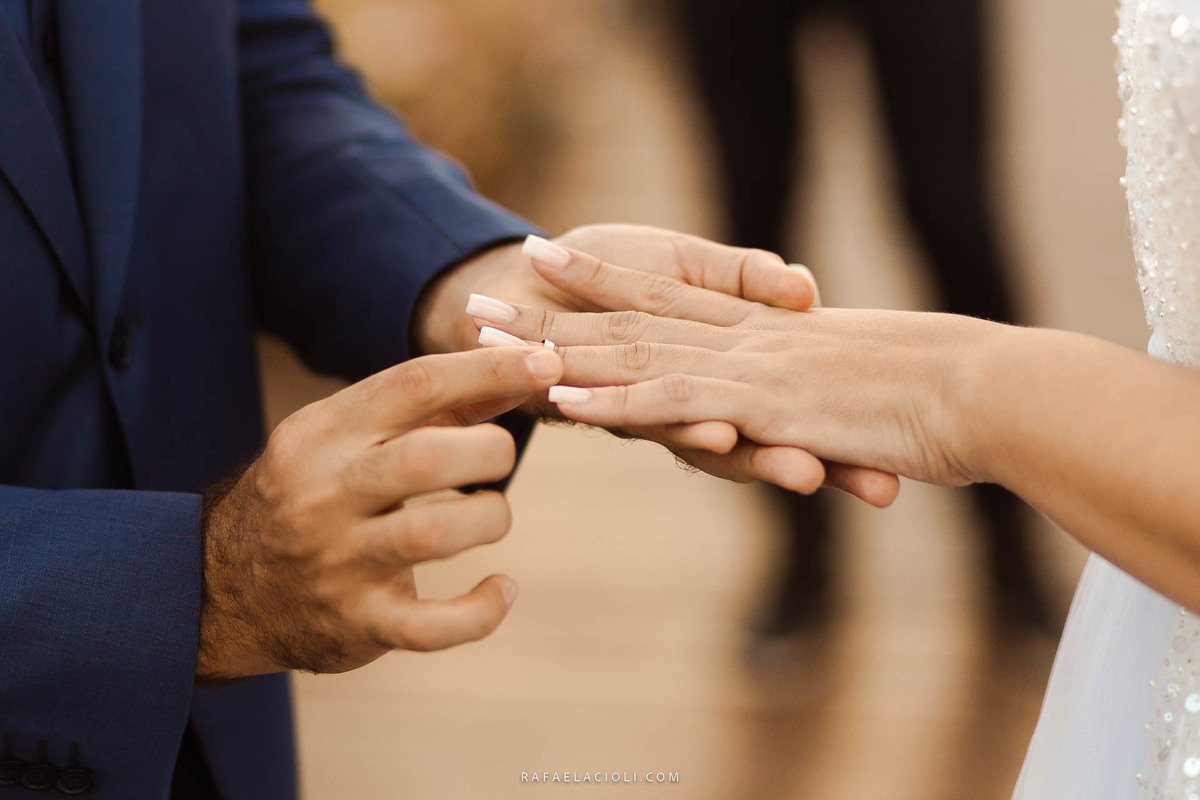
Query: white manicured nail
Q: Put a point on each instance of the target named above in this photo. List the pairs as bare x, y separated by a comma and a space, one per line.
491, 337
546, 251
491, 309
812, 279
805, 270
569, 394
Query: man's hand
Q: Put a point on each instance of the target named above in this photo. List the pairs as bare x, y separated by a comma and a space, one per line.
309, 554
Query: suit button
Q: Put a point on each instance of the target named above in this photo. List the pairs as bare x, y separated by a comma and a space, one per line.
75, 781
10, 771
38, 776
120, 347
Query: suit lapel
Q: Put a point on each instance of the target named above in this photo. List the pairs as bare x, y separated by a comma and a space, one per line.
102, 90
34, 162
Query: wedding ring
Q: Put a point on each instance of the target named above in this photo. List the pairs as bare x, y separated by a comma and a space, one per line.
549, 345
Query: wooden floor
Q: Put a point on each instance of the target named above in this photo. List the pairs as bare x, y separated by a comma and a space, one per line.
624, 652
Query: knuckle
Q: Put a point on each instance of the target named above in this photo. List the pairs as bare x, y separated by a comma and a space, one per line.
661, 291
427, 538
362, 477
625, 326
621, 399
634, 357
417, 381
545, 321
592, 271
420, 458
285, 444
499, 446
497, 517
498, 363
679, 388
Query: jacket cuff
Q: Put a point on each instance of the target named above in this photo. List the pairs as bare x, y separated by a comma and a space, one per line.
99, 615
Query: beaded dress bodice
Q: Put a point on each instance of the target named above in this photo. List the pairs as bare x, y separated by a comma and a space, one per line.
1158, 44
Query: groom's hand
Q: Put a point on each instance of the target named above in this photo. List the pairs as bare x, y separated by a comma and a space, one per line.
309, 554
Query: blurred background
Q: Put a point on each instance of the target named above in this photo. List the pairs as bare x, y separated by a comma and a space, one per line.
672, 622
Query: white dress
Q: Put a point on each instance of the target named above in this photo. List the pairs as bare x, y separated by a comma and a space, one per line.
1121, 719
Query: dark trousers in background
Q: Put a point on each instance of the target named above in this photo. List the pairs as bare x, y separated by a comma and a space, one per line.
929, 60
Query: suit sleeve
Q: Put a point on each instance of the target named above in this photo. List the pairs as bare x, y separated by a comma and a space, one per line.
79, 568
349, 216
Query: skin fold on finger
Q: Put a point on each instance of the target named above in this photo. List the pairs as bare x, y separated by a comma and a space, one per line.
428, 460
400, 622
409, 394
610, 286
434, 530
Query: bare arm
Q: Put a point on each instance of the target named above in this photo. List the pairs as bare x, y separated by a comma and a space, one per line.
1102, 439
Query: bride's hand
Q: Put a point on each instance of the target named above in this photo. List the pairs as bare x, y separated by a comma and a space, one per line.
874, 388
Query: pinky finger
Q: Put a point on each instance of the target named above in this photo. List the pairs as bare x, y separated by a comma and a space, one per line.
427, 625
872, 486
711, 435
788, 467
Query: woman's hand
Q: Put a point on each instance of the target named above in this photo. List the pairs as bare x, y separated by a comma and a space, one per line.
643, 252
874, 388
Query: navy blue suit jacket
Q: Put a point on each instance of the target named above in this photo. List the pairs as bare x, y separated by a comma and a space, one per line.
223, 175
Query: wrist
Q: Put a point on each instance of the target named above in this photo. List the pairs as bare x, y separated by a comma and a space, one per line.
227, 647
975, 403
440, 323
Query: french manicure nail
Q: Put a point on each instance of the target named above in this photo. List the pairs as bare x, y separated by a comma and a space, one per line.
492, 337
491, 309
543, 365
546, 251
805, 270
508, 590
569, 394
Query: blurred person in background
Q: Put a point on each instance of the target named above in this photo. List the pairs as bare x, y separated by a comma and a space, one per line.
929, 58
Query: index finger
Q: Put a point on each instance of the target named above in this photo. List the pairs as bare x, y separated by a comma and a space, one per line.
752, 274
409, 394
612, 287
757, 275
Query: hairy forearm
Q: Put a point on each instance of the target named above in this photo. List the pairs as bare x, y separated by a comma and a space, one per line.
1103, 440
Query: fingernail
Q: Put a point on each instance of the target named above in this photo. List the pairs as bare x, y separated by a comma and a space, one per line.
569, 394
508, 589
491, 337
543, 365
491, 309
546, 251
805, 270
